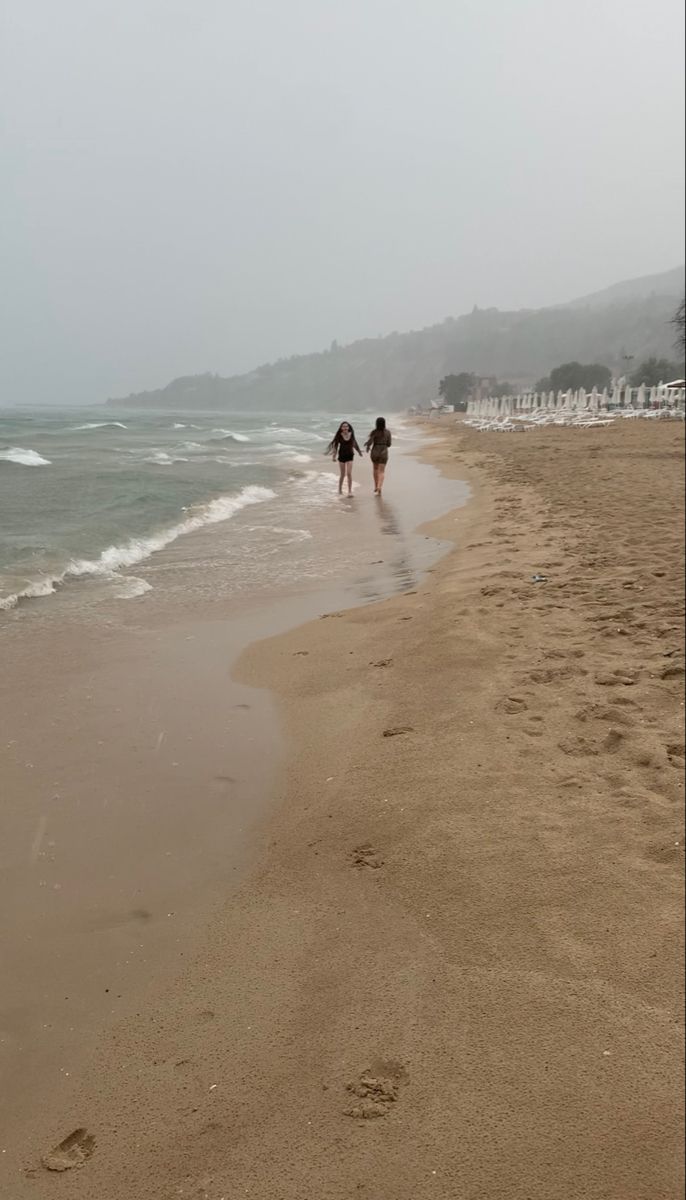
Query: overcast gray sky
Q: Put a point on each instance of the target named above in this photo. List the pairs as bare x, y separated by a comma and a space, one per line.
194, 185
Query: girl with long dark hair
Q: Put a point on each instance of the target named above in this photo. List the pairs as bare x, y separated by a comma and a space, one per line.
377, 444
343, 447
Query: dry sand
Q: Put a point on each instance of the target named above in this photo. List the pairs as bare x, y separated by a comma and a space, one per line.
455, 969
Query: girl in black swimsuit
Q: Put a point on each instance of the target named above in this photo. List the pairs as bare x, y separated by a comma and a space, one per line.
343, 447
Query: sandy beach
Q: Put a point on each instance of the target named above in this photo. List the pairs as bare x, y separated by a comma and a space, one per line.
452, 970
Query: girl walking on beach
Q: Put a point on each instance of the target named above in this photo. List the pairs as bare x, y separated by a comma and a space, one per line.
343, 447
377, 444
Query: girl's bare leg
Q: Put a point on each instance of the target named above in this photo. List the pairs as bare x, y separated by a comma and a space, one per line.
349, 477
380, 477
341, 468
375, 469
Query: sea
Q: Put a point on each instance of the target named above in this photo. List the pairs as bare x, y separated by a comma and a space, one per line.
100, 505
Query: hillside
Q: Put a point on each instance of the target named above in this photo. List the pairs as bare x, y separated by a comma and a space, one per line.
668, 283
403, 369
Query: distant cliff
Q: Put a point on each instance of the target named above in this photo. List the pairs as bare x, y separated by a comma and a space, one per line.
403, 369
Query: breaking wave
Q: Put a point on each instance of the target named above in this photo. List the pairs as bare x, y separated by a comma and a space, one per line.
135, 550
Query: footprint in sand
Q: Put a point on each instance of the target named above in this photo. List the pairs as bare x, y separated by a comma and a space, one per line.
613, 741
512, 704
626, 798
397, 730
575, 652
601, 712
383, 662
618, 678
676, 752
578, 746
552, 674
376, 1090
72, 1151
367, 856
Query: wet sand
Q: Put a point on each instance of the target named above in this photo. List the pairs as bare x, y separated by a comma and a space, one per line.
135, 772
454, 968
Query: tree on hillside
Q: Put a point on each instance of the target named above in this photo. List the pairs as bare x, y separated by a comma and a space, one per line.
455, 389
679, 323
574, 375
654, 371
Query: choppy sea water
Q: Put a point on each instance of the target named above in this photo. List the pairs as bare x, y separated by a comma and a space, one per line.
109, 506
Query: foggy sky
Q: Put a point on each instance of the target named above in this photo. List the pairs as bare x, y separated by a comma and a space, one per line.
194, 185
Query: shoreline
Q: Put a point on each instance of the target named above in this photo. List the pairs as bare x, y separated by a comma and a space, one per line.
242, 535
109, 873
465, 920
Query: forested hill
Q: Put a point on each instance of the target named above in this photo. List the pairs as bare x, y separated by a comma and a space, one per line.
403, 369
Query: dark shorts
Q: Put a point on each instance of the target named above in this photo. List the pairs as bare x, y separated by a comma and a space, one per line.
379, 457
345, 458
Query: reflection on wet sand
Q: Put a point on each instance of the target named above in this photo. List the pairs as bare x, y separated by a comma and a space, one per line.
388, 517
398, 574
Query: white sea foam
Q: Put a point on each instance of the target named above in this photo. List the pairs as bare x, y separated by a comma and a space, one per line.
129, 587
100, 425
38, 587
301, 435
161, 459
289, 454
227, 435
24, 458
317, 486
137, 549
315, 478
288, 536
